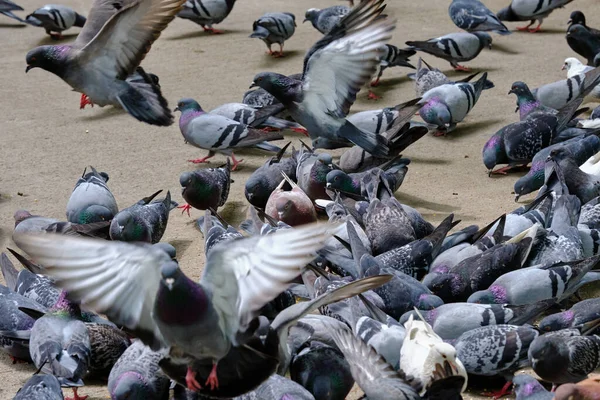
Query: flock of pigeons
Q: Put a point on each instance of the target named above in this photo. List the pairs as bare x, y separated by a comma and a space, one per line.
407, 310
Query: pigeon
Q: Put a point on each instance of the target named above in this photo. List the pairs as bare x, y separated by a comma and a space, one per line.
588, 216
145, 221
131, 28
527, 104
207, 13
263, 181
586, 389
26, 222
137, 375
424, 354
326, 19
530, 10
584, 42
219, 134
577, 17
260, 98
526, 387
577, 316
293, 207
274, 28
455, 47
495, 350
278, 387
40, 387
449, 104
311, 173
533, 284
564, 356
223, 321
575, 67
215, 230
377, 379
558, 94
55, 19
262, 117
427, 78
393, 57
387, 225
205, 188
474, 16
583, 185
323, 371
108, 343
7, 7
581, 149
385, 338
91, 200
351, 53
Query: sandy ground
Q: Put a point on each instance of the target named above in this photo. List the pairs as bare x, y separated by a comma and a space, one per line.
47, 141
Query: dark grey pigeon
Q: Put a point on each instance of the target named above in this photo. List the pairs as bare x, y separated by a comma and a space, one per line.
474, 16
7, 7
145, 221
579, 183
274, 28
320, 103
530, 10
590, 214
526, 387
97, 63
326, 19
136, 375
377, 379
91, 200
205, 188
387, 225
577, 17
55, 19
206, 12
311, 173
455, 47
259, 97
564, 356
577, 316
40, 387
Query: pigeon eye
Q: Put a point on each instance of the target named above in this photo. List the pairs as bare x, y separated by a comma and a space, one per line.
32, 58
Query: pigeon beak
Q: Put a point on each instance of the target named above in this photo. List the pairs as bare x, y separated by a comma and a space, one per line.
169, 283
534, 362
252, 85
570, 22
490, 46
29, 67
517, 196
176, 109
564, 67
511, 91
490, 172
305, 19
280, 215
328, 185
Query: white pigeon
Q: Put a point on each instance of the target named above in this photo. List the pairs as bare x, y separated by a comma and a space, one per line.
426, 357
575, 67
592, 165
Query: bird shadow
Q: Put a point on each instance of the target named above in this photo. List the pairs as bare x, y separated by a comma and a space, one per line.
548, 31
49, 40
268, 61
474, 127
181, 246
12, 25
503, 49
431, 161
103, 114
415, 201
199, 33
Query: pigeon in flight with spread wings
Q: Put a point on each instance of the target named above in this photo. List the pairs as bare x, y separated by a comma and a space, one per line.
141, 288
335, 69
112, 44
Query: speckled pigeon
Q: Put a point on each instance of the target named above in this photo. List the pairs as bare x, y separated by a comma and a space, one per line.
40, 387
474, 16
326, 19
205, 188
274, 28
55, 18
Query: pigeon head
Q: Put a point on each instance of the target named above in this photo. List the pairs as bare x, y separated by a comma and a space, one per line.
94, 175
311, 15
94, 213
21, 215
558, 154
577, 17
530, 182
578, 30
447, 286
436, 112
521, 90
493, 152
255, 190
485, 39
570, 63
526, 386
184, 105
325, 158
170, 273
556, 322
49, 58
132, 385
546, 352
195, 182
276, 84
286, 207
485, 297
339, 180
124, 227
428, 302
507, 14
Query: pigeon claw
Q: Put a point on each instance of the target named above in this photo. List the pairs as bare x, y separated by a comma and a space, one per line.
235, 162
439, 133
200, 160
375, 83
185, 207
269, 129
300, 130
85, 101
462, 68
213, 31
191, 382
76, 396
500, 393
536, 29
212, 380
15, 360
56, 36
373, 96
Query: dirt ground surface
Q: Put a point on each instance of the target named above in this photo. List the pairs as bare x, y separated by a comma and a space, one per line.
47, 141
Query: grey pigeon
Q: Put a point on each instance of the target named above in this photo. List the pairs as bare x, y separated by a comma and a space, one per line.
584, 42
558, 94
326, 19
262, 117
207, 12
474, 16
528, 388
455, 47
393, 57
278, 387
387, 225
263, 181
577, 316
7, 7
274, 28
160, 321
145, 221
40, 387
449, 104
564, 356
311, 173
26, 222
101, 79
137, 375
320, 104
583, 185
205, 188
386, 338
259, 97
530, 10
377, 379
215, 230
91, 200
55, 19
219, 134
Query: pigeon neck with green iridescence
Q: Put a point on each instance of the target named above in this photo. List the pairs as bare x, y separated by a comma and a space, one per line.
64, 306
284, 89
527, 104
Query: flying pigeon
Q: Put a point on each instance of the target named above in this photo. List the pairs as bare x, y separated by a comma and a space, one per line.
40, 387
530, 10
207, 12
7, 7
91, 200
205, 188
455, 47
274, 28
111, 45
326, 19
474, 16
55, 19
350, 53
219, 134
